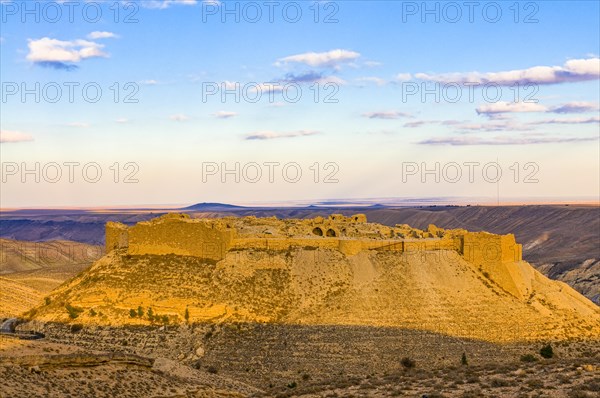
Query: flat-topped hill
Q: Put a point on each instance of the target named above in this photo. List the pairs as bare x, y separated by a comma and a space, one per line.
330, 271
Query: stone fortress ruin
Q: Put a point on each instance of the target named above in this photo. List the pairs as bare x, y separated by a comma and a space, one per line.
212, 239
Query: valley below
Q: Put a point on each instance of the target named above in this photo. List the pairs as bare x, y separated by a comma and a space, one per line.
301, 303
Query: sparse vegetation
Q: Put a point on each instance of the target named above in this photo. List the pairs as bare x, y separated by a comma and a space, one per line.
74, 312
498, 382
463, 359
407, 363
93, 312
528, 358
546, 351
187, 314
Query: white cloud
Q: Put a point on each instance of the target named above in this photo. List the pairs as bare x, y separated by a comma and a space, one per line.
271, 135
510, 107
574, 70
372, 64
122, 120
102, 35
494, 110
578, 120
495, 125
150, 82
332, 59
403, 77
9, 136
576, 107
162, 4
179, 117
386, 115
58, 52
503, 140
225, 114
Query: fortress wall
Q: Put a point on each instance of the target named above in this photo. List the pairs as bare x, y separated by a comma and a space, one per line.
495, 255
116, 236
182, 238
284, 243
350, 247
413, 245
483, 248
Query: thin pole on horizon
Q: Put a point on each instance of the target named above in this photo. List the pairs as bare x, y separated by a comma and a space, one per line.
497, 187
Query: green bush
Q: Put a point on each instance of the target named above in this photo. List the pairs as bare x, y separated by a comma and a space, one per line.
132, 313
74, 312
140, 311
293, 384
92, 312
407, 363
187, 315
546, 351
463, 359
528, 358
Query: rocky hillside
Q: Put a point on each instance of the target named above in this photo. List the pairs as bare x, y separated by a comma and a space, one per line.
30, 270
425, 290
16, 298
560, 241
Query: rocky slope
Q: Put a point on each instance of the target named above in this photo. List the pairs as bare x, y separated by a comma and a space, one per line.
559, 240
30, 270
425, 290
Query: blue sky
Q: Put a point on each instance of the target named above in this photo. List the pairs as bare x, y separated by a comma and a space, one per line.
370, 57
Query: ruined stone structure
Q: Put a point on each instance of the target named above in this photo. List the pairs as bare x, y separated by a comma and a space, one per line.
213, 238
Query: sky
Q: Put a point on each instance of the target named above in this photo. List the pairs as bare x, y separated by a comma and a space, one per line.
185, 101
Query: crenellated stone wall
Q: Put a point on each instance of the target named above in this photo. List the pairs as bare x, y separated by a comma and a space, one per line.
213, 238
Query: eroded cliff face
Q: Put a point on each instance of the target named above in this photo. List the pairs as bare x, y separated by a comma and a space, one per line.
453, 282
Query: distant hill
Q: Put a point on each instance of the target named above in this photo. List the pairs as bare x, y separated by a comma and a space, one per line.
213, 207
30, 270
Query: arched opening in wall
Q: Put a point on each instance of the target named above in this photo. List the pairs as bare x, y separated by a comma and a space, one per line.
318, 231
331, 233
